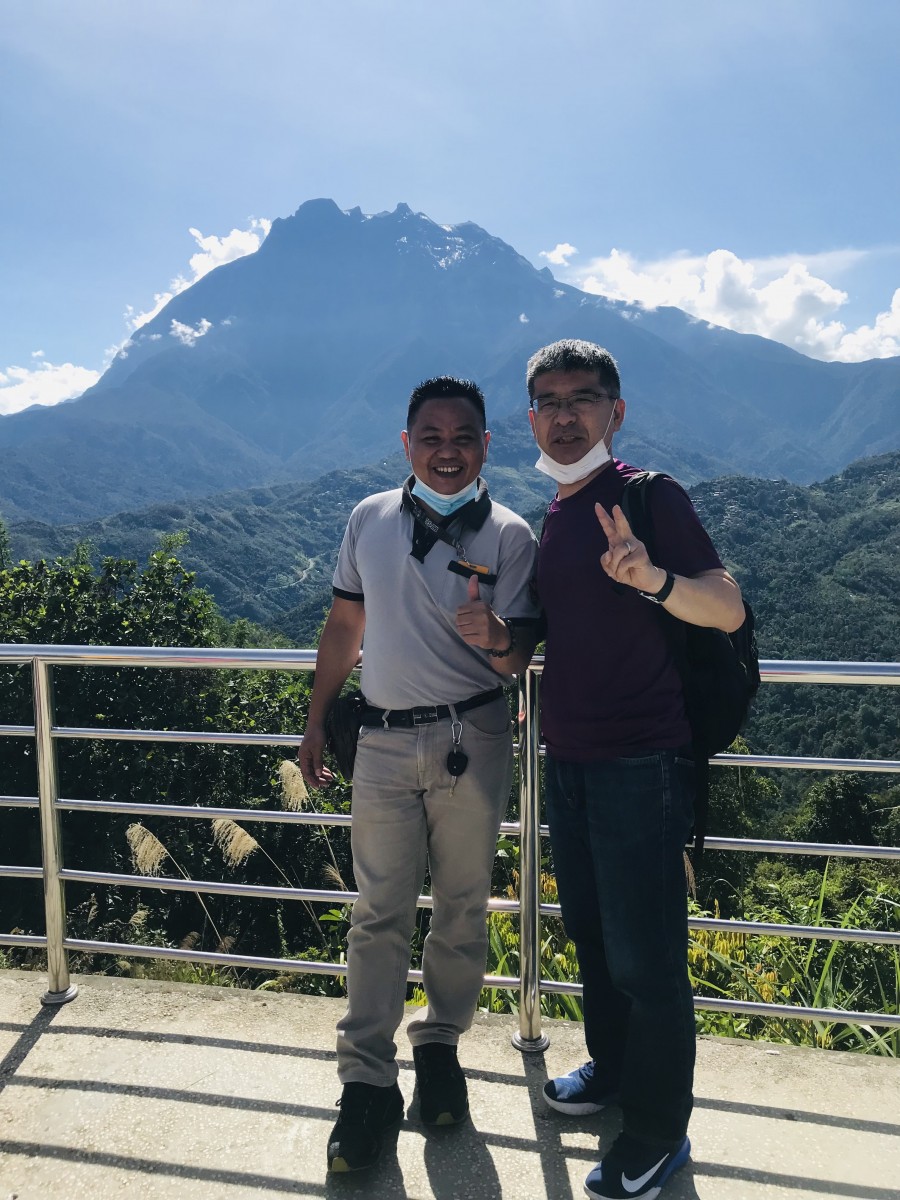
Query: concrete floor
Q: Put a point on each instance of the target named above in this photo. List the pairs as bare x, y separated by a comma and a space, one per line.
147, 1090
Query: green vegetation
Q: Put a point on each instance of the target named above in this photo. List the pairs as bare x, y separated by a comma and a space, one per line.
820, 565
72, 601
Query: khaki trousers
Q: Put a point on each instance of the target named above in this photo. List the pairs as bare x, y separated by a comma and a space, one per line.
408, 810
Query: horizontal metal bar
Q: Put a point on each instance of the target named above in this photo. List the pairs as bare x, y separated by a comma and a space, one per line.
822, 849
162, 656
785, 762
208, 737
827, 933
17, 731
508, 828
13, 872
244, 961
765, 1008
22, 939
771, 670
19, 802
206, 812
495, 904
163, 883
757, 1008
200, 737
822, 671
274, 815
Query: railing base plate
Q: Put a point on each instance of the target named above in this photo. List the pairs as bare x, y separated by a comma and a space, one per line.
530, 1045
55, 998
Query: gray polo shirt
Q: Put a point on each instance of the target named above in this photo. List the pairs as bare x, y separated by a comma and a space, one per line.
412, 653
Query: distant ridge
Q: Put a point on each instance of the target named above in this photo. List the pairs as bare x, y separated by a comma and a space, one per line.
298, 359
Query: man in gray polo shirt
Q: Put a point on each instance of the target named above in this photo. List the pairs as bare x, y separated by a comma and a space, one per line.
440, 580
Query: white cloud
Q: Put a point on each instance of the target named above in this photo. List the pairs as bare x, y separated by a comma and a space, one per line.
559, 254
524, 318
187, 334
45, 383
875, 341
214, 252
778, 297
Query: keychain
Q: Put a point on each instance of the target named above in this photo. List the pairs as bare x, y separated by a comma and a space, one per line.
457, 761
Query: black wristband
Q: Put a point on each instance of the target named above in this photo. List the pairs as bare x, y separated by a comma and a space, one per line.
663, 594
512, 641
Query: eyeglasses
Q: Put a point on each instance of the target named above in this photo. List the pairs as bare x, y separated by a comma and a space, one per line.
580, 404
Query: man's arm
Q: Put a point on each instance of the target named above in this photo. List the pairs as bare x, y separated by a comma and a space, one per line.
710, 598
479, 625
338, 654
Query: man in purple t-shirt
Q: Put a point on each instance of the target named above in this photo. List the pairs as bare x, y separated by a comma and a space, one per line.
619, 776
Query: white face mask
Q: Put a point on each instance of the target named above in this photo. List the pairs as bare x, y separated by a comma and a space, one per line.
444, 505
565, 473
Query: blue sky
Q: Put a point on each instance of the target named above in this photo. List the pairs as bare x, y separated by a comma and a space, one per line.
739, 160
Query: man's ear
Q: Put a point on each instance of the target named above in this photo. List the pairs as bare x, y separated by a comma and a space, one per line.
531, 422
620, 413
487, 442
404, 438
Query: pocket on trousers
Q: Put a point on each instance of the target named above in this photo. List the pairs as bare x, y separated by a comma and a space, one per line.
490, 721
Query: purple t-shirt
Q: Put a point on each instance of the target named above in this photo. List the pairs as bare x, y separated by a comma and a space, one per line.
610, 687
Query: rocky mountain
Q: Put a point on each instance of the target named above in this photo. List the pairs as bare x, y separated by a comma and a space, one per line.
299, 359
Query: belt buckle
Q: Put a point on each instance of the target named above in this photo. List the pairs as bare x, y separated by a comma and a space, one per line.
424, 716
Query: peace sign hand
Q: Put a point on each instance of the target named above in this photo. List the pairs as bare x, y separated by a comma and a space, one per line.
626, 561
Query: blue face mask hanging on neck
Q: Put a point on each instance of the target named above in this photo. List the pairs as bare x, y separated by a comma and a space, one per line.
444, 505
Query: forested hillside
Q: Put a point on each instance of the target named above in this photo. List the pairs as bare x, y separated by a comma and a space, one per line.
819, 564
821, 567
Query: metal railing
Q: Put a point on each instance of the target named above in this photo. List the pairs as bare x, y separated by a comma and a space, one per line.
46, 734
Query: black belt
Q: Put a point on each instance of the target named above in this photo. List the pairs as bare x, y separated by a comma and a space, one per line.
425, 714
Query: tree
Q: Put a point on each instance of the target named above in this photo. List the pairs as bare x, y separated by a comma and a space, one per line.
69, 601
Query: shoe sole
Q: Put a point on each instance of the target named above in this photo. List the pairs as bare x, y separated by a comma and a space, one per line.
584, 1109
446, 1118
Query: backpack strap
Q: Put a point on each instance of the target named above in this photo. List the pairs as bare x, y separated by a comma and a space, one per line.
635, 505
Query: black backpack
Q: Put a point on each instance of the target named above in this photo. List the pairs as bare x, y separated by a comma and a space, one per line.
719, 671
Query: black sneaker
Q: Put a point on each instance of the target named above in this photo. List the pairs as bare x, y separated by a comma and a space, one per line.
634, 1169
367, 1113
579, 1092
443, 1097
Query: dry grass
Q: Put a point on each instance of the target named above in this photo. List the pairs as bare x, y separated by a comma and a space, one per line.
147, 851
233, 840
294, 795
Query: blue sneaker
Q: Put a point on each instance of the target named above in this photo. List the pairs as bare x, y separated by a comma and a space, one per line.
634, 1169
578, 1093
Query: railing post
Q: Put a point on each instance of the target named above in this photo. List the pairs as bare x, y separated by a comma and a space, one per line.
529, 1036
59, 989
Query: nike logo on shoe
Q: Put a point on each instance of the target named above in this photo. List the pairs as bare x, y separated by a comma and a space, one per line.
634, 1185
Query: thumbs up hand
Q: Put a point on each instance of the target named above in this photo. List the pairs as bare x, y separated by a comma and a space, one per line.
476, 622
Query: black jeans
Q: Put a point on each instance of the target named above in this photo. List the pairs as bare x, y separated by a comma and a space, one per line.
618, 830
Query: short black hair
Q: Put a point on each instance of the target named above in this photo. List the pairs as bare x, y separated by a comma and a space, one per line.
572, 354
446, 387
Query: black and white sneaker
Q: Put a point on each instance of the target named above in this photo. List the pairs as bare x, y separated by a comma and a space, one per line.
367, 1113
443, 1096
578, 1093
633, 1170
